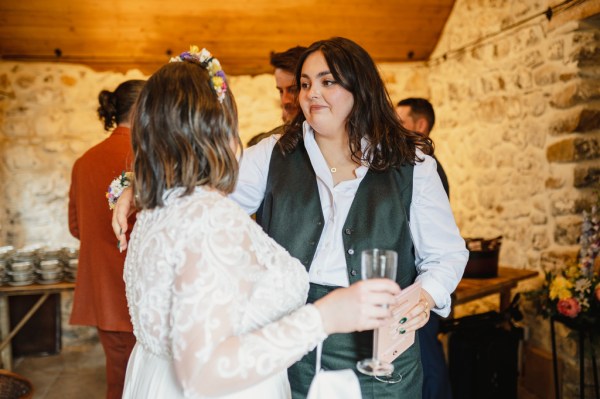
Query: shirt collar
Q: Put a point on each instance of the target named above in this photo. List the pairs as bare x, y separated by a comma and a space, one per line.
318, 161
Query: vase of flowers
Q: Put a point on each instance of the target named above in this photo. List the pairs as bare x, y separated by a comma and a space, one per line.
572, 294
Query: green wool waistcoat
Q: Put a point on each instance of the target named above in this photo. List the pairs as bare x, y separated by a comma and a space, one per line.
378, 218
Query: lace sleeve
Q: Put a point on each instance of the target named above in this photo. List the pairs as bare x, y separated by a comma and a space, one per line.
214, 293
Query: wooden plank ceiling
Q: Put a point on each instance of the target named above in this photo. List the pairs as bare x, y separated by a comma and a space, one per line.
123, 34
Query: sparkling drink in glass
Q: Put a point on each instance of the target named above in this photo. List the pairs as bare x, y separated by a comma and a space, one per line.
378, 263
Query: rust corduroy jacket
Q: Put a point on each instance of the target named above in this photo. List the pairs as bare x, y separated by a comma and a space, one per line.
100, 291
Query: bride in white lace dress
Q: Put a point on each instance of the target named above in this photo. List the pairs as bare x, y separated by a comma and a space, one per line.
218, 308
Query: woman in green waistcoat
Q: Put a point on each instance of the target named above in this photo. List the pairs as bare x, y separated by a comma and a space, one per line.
344, 177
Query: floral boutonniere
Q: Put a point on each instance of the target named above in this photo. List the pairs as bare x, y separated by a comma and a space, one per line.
116, 188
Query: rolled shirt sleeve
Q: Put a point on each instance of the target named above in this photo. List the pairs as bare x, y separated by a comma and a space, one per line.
440, 251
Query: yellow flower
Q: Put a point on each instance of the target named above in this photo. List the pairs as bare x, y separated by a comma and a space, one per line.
560, 288
194, 49
217, 82
573, 271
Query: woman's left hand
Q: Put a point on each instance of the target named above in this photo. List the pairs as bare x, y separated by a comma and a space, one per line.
418, 315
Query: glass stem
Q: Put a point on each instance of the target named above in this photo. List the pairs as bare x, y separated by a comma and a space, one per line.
375, 345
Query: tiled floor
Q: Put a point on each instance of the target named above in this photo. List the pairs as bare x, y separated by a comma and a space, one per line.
76, 373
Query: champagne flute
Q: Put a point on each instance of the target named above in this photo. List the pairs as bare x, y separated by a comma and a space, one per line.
378, 263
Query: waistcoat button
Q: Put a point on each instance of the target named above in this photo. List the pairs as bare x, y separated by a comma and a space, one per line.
350, 251
348, 231
353, 273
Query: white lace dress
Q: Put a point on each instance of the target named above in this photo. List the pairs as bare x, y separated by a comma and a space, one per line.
218, 308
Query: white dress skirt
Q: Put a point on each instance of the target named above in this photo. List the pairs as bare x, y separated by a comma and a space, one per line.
151, 376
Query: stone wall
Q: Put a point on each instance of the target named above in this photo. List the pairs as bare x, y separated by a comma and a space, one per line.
518, 133
516, 122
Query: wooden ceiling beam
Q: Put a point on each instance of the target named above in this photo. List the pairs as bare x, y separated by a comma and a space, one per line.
117, 35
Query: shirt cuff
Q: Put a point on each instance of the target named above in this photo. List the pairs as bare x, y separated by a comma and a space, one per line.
443, 302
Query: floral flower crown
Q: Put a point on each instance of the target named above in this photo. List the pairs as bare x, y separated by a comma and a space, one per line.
211, 64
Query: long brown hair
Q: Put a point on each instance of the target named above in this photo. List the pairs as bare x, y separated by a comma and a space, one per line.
372, 115
181, 135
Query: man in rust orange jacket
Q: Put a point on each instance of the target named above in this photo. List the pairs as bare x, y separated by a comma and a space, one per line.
100, 291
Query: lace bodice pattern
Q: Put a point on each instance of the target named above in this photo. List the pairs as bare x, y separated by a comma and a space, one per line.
207, 288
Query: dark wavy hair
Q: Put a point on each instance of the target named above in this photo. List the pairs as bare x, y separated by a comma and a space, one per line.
115, 106
288, 59
181, 135
372, 116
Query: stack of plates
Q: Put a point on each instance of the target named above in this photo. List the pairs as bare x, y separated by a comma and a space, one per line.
20, 272
70, 259
49, 271
71, 270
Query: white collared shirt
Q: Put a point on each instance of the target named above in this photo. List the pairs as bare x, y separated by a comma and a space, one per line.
440, 251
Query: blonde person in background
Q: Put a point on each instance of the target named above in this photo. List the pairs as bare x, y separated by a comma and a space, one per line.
99, 299
218, 307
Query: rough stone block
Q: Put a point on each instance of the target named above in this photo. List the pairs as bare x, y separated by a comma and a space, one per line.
567, 230
25, 81
562, 151
576, 93
501, 49
545, 75
538, 218
68, 80
554, 182
577, 119
534, 35
571, 203
587, 147
556, 50
556, 258
492, 110
532, 59
586, 48
589, 119
574, 149
587, 175
5, 85
540, 239
565, 77
564, 121
534, 135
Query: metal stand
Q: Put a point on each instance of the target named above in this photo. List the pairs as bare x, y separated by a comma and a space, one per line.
581, 332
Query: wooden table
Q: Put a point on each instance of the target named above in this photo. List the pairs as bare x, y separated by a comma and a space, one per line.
6, 334
470, 289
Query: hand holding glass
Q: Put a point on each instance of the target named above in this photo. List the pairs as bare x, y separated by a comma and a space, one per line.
378, 263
